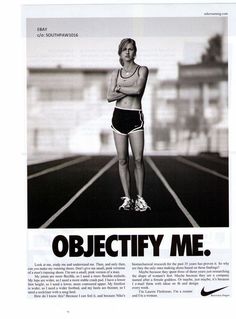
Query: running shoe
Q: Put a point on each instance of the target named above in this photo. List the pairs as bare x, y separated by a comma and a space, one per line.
127, 204
141, 205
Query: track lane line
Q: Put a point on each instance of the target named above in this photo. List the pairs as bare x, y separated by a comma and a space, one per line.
172, 192
58, 167
80, 192
201, 168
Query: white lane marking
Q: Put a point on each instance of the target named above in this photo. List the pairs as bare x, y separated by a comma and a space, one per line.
172, 192
201, 168
79, 192
58, 167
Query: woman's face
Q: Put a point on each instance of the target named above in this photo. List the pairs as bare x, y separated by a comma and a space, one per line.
128, 52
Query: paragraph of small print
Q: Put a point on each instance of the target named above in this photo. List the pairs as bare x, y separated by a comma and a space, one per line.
77, 280
171, 278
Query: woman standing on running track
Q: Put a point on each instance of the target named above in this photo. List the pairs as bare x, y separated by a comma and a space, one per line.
126, 88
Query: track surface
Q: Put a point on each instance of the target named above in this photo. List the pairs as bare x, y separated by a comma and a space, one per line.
84, 192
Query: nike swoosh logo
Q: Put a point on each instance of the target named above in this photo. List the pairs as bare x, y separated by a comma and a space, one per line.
210, 292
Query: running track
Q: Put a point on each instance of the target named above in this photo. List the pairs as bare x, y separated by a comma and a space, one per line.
84, 192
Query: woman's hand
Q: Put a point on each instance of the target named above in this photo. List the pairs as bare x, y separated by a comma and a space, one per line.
117, 89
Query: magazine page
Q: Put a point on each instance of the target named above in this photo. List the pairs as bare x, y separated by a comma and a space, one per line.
129, 152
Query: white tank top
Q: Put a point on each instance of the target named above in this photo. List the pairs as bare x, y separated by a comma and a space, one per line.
127, 80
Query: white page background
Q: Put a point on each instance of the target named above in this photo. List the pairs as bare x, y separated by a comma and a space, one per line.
14, 300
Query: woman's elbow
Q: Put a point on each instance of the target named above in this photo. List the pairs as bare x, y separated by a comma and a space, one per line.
138, 91
109, 98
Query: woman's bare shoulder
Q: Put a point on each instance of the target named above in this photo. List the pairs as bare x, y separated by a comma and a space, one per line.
143, 68
114, 72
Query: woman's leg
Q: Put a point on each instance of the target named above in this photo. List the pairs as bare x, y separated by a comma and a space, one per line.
137, 146
121, 143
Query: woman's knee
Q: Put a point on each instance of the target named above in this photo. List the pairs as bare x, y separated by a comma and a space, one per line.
123, 161
138, 161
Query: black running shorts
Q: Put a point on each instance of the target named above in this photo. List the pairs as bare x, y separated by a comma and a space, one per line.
127, 121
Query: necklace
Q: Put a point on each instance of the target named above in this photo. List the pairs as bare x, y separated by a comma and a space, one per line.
127, 71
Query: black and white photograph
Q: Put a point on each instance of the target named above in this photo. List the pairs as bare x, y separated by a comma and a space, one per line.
129, 161
118, 159
127, 122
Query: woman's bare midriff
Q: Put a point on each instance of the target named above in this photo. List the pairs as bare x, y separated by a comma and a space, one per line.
130, 102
